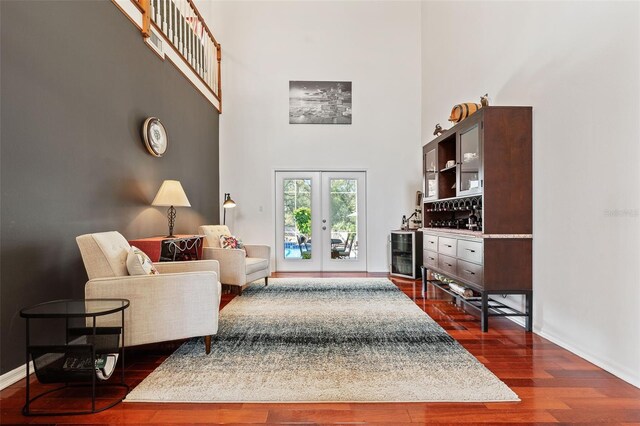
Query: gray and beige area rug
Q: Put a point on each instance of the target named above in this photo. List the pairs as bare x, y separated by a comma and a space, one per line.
323, 340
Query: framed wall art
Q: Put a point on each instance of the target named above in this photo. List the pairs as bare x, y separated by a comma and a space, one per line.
319, 102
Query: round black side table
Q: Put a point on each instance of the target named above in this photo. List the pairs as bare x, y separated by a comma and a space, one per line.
77, 362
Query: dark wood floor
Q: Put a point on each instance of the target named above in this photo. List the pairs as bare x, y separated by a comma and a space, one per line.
554, 385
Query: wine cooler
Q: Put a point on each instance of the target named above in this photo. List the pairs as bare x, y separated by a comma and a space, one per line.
405, 257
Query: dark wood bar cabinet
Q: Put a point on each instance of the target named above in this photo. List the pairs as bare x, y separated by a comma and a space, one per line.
477, 211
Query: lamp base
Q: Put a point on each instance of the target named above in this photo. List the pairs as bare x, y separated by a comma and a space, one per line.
171, 215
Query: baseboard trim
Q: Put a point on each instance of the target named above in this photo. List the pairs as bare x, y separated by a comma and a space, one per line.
15, 375
617, 371
521, 321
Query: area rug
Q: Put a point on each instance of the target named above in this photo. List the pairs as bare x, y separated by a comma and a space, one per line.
323, 340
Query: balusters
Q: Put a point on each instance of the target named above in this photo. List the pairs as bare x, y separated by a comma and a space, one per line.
153, 9
194, 53
201, 48
207, 58
183, 32
196, 47
189, 39
158, 17
219, 71
201, 55
197, 43
165, 4
172, 21
181, 25
214, 67
201, 44
215, 71
175, 24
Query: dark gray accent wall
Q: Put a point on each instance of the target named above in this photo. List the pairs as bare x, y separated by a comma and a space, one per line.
77, 82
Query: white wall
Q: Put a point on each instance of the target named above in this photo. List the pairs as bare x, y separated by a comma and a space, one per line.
376, 45
577, 64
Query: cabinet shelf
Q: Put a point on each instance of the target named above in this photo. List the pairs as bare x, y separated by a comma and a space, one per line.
446, 169
494, 307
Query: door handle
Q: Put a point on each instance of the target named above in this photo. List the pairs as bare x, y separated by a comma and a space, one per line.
324, 228
324, 220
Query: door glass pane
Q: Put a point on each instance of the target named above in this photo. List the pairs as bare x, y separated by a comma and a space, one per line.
344, 218
297, 218
470, 160
430, 173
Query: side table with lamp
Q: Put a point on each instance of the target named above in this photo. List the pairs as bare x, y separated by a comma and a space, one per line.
171, 247
171, 195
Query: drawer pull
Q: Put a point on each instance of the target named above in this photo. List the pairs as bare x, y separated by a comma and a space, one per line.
432, 258
448, 245
472, 251
448, 264
469, 272
431, 242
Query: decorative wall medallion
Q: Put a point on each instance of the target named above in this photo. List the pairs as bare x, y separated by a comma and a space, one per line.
155, 136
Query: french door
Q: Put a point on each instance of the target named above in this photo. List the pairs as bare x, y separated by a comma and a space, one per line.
321, 221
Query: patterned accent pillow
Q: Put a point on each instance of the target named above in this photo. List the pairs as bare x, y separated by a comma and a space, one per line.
231, 242
138, 263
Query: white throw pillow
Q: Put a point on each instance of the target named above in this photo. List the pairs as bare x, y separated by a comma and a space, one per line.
138, 263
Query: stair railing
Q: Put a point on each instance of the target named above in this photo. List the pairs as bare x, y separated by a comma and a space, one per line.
182, 25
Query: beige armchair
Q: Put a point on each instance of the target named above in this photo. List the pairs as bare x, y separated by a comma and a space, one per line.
181, 302
236, 269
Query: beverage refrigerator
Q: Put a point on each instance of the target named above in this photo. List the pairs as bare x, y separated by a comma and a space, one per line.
405, 258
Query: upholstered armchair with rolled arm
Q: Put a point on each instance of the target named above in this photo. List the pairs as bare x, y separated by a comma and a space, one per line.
180, 302
237, 268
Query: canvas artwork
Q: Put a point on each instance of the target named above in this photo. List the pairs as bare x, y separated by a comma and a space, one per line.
319, 102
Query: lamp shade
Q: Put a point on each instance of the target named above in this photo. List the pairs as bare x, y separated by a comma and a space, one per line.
171, 194
228, 202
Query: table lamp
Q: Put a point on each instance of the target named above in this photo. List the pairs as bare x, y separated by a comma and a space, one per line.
171, 194
228, 204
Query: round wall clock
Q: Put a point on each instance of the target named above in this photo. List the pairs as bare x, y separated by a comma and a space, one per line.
155, 136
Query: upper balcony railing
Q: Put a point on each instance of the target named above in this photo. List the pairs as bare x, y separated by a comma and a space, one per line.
185, 29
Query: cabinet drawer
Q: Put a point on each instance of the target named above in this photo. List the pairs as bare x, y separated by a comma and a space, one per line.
430, 242
447, 246
447, 264
470, 272
470, 251
429, 258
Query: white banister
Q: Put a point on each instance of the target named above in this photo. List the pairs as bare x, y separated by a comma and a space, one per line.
183, 27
